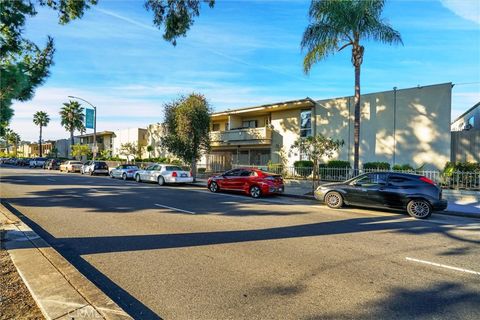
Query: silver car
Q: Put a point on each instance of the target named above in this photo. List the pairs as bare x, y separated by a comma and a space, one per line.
124, 171
94, 167
164, 173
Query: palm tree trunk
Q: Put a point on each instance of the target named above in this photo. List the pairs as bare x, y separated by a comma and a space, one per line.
71, 142
40, 143
357, 58
356, 122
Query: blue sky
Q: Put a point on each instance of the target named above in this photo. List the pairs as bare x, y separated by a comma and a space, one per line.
240, 53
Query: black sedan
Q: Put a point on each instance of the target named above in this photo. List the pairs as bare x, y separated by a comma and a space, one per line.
416, 194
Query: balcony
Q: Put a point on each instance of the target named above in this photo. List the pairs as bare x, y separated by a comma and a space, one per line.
246, 136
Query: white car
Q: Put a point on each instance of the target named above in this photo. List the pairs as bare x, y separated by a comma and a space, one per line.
71, 166
94, 167
124, 171
164, 173
36, 162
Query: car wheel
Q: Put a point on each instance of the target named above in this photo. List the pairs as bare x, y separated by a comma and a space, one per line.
137, 178
419, 209
334, 200
213, 187
161, 181
91, 173
255, 192
111, 174
124, 176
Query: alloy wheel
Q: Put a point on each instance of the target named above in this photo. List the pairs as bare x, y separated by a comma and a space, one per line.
124, 176
255, 192
419, 209
213, 187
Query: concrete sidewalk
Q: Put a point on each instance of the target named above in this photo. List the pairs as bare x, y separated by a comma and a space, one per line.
60, 290
460, 202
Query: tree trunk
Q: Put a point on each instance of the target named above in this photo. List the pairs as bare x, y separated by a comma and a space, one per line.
71, 143
194, 169
357, 55
40, 143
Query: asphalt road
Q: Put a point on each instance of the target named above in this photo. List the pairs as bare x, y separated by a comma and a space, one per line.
184, 253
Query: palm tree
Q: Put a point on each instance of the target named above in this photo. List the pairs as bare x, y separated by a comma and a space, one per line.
72, 118
7, 136
14, 138
337, 24
41, 119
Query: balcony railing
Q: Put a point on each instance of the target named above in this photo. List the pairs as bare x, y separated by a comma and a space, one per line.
243, 136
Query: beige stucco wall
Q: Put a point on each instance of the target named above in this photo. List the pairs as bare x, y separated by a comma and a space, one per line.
285, 130
415, 131
131, 135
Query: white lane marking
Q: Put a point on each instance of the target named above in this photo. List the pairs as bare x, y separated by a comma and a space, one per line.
50, 179
443, 266
174, 209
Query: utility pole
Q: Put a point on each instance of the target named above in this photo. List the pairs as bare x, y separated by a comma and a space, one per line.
94, 151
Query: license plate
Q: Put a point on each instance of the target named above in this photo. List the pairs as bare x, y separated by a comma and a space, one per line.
183, 175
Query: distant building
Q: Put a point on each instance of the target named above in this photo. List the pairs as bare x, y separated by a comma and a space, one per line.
104, 140
155, 134
137, 136
465, 143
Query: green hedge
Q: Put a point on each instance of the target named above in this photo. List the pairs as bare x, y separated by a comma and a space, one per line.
451, 167
376, 165
202, 170
338, 164
403, 167
303, 168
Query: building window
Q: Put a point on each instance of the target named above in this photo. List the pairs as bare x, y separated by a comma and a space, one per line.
305, 123
471, 121
249, 124
216, 127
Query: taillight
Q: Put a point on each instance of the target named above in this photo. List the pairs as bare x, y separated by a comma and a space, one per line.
425, 179
174, 174
191, 174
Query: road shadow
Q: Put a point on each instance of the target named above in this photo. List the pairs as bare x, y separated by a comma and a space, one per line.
445, 300
126, 301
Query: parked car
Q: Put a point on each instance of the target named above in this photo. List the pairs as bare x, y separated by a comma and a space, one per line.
52, 164
416, 194
37, 162
71, 166
124, 171
24, 162
254, 182
163, 173
94, 167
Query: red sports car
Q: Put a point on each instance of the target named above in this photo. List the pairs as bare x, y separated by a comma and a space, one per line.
254, 182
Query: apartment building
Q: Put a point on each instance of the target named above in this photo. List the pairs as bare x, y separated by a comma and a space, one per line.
466, 136
397, 126
138, 136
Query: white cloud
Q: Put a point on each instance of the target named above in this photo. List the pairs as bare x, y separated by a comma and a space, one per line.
467, 9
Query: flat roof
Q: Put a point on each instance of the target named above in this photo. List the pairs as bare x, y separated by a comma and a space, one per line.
468, 111
306, 100
101, 133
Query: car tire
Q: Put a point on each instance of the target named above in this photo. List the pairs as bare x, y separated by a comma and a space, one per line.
111, 174
419, 209
160, 180
213, 187
334, 200
137, 178
255, 192
124, 176
92, 173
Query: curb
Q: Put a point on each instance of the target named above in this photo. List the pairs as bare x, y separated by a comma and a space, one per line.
58, 288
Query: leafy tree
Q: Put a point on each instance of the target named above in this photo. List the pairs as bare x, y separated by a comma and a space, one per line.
315, 148
54, 152
187, 124
129, 149
338, 24
80, 150
24, 66
41, 119
72, 117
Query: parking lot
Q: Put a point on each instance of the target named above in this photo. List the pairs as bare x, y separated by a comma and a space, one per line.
182, 252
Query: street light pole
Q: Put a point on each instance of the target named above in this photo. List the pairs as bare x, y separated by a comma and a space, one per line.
94, 124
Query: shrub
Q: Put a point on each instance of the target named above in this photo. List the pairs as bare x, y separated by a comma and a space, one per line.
202, 170
403, 167
451, 167
176, 162
338, 164
303, 168
376, 165
275, 167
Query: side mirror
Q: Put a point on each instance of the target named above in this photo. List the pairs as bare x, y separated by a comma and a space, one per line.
356, 184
